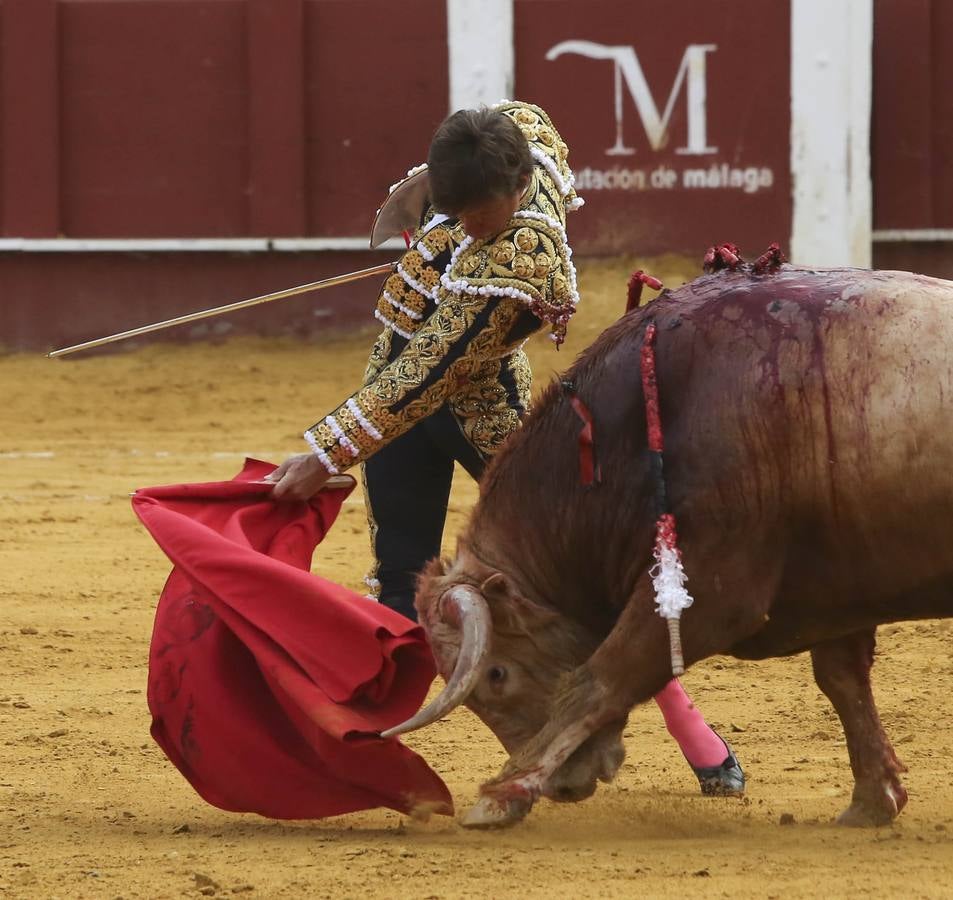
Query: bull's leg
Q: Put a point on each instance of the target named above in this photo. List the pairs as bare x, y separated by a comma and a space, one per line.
593, 696
842, 671
596, 759
511, 795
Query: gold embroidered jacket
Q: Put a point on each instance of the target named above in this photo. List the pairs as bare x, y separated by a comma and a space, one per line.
456, 312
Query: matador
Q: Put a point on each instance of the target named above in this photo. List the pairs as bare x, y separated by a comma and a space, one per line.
448, 380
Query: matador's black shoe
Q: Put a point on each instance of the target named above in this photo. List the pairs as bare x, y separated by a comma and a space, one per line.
726, 780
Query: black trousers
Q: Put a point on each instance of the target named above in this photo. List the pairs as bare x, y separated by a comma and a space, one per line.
407, 487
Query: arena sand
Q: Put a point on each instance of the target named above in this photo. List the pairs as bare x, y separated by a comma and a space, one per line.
89, 807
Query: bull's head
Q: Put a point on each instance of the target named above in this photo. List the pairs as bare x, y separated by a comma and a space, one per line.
503, 656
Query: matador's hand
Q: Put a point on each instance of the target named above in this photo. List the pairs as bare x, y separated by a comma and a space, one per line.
299, 477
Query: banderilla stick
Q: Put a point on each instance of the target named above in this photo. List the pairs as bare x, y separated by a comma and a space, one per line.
231, 307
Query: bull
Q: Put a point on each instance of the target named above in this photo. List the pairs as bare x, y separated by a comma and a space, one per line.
809, 463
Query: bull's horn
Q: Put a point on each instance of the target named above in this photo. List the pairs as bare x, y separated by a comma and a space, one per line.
465, 607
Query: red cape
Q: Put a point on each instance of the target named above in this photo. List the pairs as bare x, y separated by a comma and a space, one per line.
267, 684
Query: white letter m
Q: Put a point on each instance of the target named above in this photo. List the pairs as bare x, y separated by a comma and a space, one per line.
627, 65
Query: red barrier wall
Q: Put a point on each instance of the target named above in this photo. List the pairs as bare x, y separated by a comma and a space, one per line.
212, 118
207, 118
912, 127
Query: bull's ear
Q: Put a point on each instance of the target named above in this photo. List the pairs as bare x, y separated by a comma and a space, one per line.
510, 609
428, 587
433, 569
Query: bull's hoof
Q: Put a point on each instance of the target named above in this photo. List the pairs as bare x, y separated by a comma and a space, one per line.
494, 812
860, 815
875, 809
726, 780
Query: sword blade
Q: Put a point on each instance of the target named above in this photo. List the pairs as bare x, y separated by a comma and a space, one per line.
230, 307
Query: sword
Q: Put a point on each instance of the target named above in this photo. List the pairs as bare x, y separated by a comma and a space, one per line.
230, 307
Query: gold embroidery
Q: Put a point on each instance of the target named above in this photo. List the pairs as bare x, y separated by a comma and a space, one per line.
502, 252
340, 457
323, 433
436, 240
529, 132
523, 266
526, 239
399, 318
426, 274
469, 264
412, 262
355, 432
482, 406
542, 281
371, 579
523, 374
429, 278
544, 137
378, 358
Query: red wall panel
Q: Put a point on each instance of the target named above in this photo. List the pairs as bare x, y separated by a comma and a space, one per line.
276, 164
29, 119
154, 118
377, 87
657, 199
213, 118
942, 96
219, 118
912, 129
901, 127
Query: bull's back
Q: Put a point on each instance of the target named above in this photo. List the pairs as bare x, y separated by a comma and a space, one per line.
840, 381
820, 405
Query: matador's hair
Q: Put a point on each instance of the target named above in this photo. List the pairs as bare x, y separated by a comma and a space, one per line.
476, 155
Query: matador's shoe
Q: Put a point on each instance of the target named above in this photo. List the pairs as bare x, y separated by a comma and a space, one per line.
726, 780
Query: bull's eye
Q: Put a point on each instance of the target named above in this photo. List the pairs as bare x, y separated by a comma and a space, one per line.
497, 675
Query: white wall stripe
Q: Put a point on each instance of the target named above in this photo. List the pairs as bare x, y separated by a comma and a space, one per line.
831, 83
480, 48
914, 234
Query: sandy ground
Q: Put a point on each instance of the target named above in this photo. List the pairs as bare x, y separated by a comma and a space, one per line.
89, 807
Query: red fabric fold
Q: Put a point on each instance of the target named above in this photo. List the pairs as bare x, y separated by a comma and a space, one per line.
267, 684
